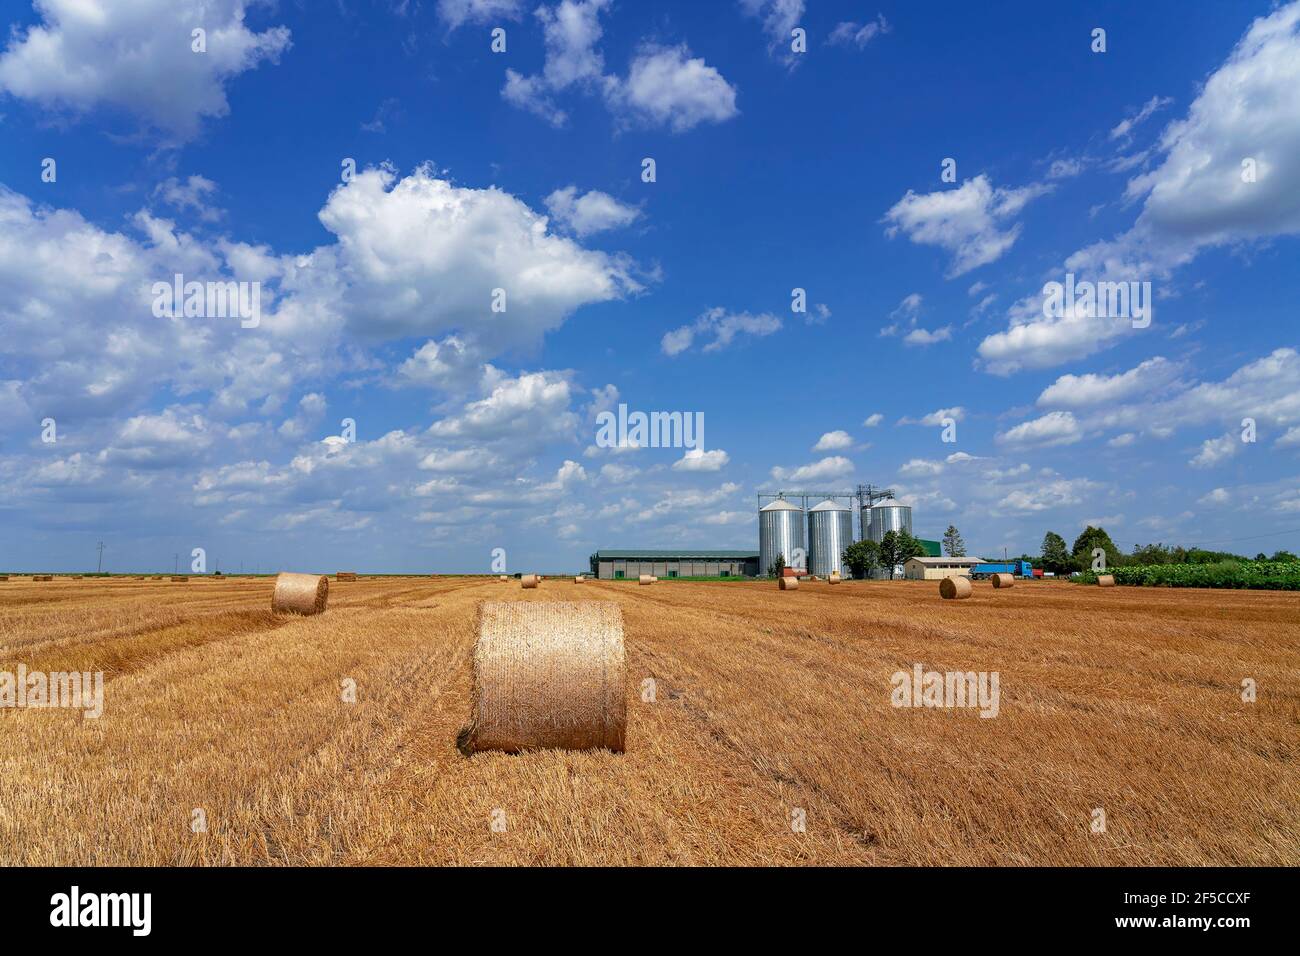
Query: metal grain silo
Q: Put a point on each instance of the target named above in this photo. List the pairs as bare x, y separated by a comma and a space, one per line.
890, 516
780, 531
830, 531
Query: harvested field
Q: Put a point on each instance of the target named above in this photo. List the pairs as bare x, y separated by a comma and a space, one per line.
764, 704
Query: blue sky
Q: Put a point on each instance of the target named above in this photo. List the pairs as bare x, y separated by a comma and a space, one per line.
523, 171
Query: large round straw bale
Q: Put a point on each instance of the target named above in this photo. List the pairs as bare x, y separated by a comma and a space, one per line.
529, 580
578, 579
958, 586
1105, 580
1004, 580
834, 577
788, 584
4, 577
180, 577
646, 579
504, 577
300, 593
42, 577
548, 674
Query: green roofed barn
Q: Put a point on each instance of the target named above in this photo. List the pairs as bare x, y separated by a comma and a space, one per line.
631, 563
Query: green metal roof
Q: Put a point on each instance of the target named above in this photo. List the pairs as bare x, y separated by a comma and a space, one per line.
662, 554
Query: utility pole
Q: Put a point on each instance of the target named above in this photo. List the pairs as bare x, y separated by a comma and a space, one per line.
100, 567
176, 563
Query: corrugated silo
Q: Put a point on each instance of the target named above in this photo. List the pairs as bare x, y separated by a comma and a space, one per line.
780, 531
889, 516
830, 531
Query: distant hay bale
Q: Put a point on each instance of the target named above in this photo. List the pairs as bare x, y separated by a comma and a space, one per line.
1004, 580
42, 577
955, 587
1105, 580
646, 579
548, 675
156, 577
4, 577
345, 576
788, 584
504, 577
180, 577
578, 579
530, 580
834, 577
300, 593
76, 577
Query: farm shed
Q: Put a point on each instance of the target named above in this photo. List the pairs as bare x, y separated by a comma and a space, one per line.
932, 569
632, 563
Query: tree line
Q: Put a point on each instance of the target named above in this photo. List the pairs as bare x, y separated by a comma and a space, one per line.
862, 558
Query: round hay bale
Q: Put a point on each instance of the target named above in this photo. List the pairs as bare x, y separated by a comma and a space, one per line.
1105, 580
1004, 580
788, 584
4, 577
42, 577
504, 577
300, 593
834, 577
180, 577
646, 579
958, 586
345, 576
548, 674
578, 579
529, 580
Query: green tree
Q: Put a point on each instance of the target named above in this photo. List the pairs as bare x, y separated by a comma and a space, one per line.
953, 545
1283, 556
1090, 539
1055, 558
898, 547
861, 558
1152, 554
909, 547
777, 567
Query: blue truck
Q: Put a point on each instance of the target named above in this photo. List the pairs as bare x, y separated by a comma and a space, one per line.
1021, 569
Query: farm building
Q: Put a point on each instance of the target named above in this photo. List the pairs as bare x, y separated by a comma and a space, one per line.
932, 569
673, 564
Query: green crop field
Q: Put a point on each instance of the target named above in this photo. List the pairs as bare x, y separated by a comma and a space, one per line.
1259, 575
